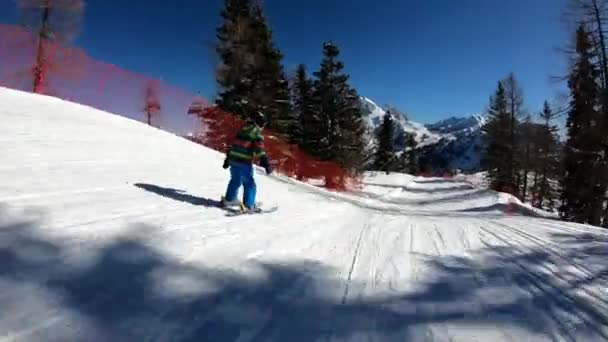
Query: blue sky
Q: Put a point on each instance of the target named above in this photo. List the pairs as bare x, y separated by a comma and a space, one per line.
430, 58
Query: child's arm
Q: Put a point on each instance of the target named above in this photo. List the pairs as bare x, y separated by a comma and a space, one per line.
259, 152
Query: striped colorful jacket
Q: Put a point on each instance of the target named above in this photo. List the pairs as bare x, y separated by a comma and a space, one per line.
248, 145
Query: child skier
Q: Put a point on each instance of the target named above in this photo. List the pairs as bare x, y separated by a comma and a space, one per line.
244, 151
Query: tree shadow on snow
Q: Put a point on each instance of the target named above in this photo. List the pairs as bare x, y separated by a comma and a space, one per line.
126, 290
178, 195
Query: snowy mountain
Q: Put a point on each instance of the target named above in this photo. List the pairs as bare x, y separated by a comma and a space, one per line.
110, 231
458, 126
453, 143
374, 115
461, 146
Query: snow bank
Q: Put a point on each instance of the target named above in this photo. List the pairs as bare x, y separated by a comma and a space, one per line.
393, 178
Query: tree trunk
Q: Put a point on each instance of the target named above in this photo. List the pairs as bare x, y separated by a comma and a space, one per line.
595, 212
512, 168
536, 192
605, 223
526, 170
543, 189
517, 189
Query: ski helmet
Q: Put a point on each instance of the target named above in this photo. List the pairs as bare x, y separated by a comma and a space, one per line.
259, 119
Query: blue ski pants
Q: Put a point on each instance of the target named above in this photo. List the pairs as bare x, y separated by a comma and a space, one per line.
242, 174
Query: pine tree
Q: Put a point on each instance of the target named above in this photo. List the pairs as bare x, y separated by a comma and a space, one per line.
325, 97
582, 190
594, 13
351, 146
338, 114
547, 161
385, 155
524, 136
411, 156
515, 100
304, 125
271, 89
580, 183
250, 76
235, 75
498, 156
408, 159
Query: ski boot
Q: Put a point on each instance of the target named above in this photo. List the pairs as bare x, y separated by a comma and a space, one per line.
247, 210
233, 203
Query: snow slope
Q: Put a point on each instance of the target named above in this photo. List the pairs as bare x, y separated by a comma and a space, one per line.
107, 233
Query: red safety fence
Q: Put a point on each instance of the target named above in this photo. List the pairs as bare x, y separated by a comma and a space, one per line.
69, 73
288, 159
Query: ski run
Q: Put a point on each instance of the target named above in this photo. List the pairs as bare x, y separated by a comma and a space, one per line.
108, 232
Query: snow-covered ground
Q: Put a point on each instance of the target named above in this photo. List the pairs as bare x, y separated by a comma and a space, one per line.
108, 233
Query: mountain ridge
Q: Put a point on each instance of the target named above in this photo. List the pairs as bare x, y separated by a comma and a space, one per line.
450, 143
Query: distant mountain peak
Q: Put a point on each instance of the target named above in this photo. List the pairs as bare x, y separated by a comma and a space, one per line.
454, 142
453, 124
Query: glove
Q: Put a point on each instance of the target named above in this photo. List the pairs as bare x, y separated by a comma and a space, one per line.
266, 165
226, 164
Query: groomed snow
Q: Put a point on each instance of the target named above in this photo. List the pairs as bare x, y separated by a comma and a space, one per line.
107, 233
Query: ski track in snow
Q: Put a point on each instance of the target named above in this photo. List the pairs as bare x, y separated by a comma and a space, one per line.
108, 232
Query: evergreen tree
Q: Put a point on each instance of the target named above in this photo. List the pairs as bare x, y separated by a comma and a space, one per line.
235, 73
525, 153
594, 13
411, 155
250, 76
518, 154
270, 87
547, 161
338, 114
582, 189
498, 155
408, 159
385, 155
352, 141
325, 97
303, 129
